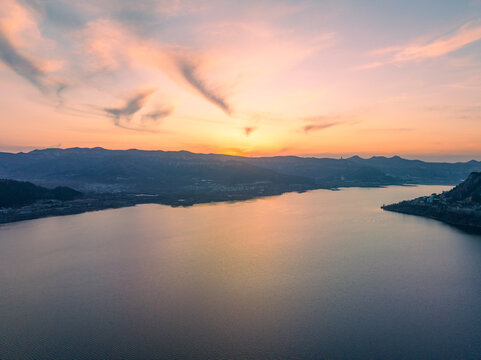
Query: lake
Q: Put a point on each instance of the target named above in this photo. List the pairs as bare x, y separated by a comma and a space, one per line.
323, 274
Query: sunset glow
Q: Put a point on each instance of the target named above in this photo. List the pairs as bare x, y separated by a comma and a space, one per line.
320, 78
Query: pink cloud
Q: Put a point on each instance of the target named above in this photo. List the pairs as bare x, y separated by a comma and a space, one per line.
22, 46
467, 34
228, 52
111, 46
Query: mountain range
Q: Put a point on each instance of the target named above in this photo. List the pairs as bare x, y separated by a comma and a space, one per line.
139, 171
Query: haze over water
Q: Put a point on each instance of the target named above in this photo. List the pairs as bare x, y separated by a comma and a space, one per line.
321, 274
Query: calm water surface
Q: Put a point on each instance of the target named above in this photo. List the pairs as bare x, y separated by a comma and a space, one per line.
317, 275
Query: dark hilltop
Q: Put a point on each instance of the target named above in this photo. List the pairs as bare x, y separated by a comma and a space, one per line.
460, 206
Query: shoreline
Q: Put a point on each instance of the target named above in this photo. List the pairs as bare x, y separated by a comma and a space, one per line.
465, 219
98, 202
51, 208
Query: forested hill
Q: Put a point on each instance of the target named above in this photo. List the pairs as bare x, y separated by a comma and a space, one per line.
458, 206
469, 191
19, 193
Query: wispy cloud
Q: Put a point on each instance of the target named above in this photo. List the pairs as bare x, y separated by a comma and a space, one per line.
322, 122
471, 112
189, 71
124, 114
249, 130
316, 127
20, 43
156, 116
133, 104
19, 63
467, 34
111, 46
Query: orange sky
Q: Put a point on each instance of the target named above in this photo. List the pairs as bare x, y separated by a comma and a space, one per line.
270, 78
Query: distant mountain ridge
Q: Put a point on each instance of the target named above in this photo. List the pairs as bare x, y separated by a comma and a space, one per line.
101, 170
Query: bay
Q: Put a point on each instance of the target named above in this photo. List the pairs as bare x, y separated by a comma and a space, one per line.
322, 274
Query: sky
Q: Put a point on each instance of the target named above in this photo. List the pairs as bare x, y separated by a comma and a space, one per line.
255, 78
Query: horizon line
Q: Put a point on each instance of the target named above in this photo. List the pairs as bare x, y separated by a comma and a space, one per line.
345, 156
